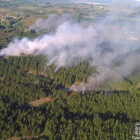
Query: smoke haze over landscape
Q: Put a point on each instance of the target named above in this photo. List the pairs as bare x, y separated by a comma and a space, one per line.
114, 50
52, 22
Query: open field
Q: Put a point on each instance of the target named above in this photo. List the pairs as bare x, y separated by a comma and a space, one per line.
27, 8
28, 21
40, 101
3, 10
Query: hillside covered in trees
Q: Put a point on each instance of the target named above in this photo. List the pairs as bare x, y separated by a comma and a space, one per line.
97, 115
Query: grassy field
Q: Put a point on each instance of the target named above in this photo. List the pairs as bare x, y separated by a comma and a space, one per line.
28, 21
3, 10
40, 101
27, 8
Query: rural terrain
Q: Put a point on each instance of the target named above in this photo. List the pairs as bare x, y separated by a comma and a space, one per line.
36, 99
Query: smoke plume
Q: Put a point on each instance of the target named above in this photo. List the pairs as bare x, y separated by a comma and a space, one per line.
112, 43
51, 23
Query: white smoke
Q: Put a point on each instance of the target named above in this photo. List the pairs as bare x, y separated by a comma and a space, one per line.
68, 43
51, 23
112, 51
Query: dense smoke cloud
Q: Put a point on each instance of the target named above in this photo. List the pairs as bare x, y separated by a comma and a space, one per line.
114, 50
125, 4
51, 23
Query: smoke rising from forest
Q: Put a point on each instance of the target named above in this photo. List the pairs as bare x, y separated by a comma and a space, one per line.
51, 23
112, 45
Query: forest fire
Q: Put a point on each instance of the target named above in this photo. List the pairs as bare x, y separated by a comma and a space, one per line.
73, 93
78, 92
6, 56
3, 56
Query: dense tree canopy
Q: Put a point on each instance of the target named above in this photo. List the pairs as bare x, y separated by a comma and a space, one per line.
97, 115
